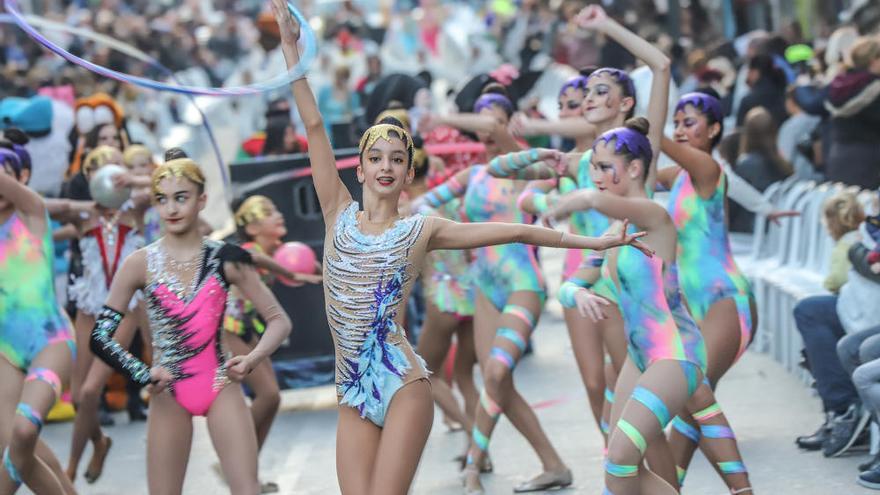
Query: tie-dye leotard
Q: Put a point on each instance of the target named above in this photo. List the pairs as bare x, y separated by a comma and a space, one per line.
449, 284
588, 223
707, 270
501, 270
186, 323
30, 318
658, 325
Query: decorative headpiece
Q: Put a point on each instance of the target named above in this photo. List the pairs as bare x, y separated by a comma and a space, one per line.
703, 102
386, 132
400, 114
180, 168
630, 141
488, 99
620, 76
576, 82
253, 209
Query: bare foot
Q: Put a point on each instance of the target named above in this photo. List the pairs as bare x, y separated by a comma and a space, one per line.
99, 455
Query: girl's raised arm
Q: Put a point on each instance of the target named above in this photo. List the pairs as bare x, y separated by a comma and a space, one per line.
332, 193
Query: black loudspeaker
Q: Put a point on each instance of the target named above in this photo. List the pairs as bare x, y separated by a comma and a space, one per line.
282, 179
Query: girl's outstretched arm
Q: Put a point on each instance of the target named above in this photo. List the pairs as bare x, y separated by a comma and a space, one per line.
474, 122
332, 193
570, 127
643, 211
447, 234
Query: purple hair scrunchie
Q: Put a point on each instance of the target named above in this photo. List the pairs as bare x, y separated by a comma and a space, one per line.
633, 142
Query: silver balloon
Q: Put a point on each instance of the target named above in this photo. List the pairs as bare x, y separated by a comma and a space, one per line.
102, 189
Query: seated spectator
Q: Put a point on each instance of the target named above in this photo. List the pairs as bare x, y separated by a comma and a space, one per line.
860, 356
854, 102
758, 162
821, 329
794, 131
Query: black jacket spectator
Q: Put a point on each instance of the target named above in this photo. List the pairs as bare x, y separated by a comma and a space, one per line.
854, 155
767, 84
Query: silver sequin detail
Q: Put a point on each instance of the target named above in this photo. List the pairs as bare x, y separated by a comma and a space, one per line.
358, 265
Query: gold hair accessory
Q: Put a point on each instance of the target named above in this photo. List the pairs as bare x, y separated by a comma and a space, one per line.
181, 168
384, 131
396, 113
253, 209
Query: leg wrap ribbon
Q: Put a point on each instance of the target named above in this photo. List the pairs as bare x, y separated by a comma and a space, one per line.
620, 470
708, 413
732, 467
46, 376
503, 356
489, 405
512, 335
28, 413
653, 403
716, 431
686, 429
633, 433
11, 470
520, 312
609, 396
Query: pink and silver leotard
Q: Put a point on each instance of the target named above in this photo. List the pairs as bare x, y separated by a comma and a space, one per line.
186, 322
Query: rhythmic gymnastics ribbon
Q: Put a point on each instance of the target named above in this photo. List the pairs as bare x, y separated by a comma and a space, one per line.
310, 51
133, 52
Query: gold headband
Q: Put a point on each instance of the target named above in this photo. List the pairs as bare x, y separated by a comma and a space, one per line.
181, 168
384, 131
253, 209
396, 113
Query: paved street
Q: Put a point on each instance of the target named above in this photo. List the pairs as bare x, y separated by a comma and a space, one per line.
766, 406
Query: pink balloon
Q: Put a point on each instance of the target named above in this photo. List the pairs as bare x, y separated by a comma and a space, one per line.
295, 257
